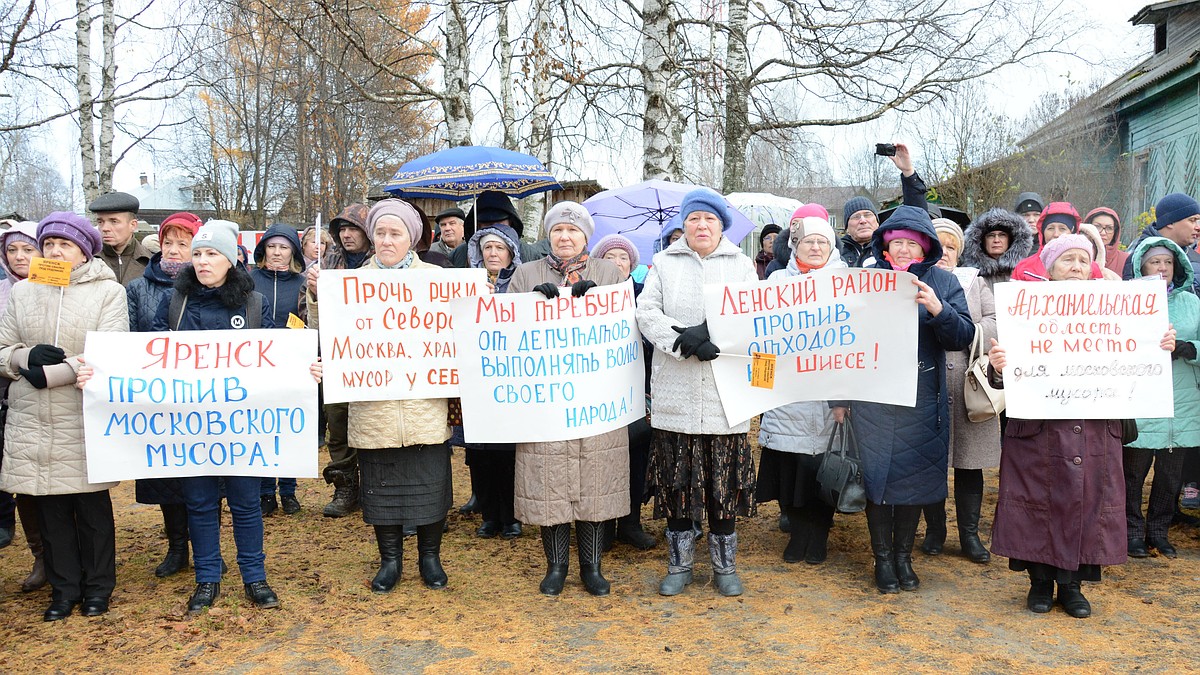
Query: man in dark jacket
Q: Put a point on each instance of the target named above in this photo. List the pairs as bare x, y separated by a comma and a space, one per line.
860, 219
492, 207
1177, 217
353, 248
116, 218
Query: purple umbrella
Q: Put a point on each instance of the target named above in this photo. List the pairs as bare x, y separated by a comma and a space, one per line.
640, 211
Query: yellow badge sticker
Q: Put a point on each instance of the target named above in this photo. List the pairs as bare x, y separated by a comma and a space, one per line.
50, 272
294, 321
762, 371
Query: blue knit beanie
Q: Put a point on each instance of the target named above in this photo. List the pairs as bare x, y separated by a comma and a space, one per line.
1174, 208
704, 199
855, 205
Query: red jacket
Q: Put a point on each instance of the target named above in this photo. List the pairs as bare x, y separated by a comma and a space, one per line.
1031, 268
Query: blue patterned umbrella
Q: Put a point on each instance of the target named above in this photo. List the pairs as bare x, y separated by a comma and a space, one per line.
463, 172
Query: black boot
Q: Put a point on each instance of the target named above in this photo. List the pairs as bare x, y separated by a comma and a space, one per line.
879, 524
1070, 596
175, 521
589, 537
608, 534
935, 527
1041, 595
345, 495
629, 531
818, 538
472, 505
800, 531
429, 554
968, 506
904, 535
391, 557
556, 541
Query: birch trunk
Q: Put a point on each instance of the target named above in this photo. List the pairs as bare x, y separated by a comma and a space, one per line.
737, 121
456, 103
108, 88
659, 154
507, 112
83, 86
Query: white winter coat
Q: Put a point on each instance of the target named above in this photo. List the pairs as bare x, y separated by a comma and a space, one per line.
43, 438
684, 394
802, 427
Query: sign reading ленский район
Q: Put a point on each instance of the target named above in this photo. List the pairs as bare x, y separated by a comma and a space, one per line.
201, 403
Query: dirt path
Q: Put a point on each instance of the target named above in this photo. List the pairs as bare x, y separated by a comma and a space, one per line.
965, 617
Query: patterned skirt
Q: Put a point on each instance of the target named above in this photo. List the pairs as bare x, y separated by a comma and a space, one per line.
690, 476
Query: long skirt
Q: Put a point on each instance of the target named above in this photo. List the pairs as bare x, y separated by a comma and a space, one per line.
789, 478
693, 475
405, 486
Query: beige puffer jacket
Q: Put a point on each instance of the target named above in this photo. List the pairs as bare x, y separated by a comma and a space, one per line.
584, 479
391, 424
43, 438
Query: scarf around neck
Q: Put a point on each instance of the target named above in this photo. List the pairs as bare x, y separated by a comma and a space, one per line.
402, 265
571, 268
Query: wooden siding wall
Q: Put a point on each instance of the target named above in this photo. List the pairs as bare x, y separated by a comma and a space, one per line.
1166, 137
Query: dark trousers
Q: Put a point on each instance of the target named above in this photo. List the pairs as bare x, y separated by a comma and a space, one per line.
639, 459
79, 544
342, 458
8, 510
1191, 465
493, 473
1164, 490
287, 486
204, 525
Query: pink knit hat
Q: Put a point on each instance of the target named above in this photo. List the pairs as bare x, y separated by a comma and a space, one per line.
900, 233
1057, 247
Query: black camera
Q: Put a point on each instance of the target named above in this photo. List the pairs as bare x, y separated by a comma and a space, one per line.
885, 149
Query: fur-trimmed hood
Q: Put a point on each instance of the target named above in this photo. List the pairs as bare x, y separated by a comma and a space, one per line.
1020, 237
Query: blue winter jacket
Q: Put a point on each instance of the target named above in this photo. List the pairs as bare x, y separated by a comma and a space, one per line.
205, 311
145, 293
904, 450
281, 289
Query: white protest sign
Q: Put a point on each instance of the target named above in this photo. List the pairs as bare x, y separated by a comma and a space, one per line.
386, 334
1085, 349
841, 334
535, 370
201, 403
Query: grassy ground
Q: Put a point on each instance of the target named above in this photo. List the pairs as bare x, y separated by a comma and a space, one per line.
965, 617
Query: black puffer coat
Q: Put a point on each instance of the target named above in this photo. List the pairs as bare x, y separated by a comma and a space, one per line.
1021, 245
904, 450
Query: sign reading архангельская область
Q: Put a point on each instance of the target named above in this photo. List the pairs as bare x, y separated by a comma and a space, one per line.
1085, 349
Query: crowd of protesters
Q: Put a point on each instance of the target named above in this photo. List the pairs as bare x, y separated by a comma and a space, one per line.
1059, 519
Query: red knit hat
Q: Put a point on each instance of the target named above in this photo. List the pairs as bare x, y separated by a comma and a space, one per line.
188, 222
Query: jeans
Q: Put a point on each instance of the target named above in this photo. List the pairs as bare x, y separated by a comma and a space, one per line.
204, 526
287, 486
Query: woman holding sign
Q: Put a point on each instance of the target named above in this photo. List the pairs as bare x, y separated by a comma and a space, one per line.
144, 294
403, 457
585, 480
1062, 491
1163, 442
699, 465
42, 336
905, 449
794, 437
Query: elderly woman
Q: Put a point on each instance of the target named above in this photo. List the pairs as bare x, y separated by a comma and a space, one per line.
403, 458
905, 449
766, 248
585, 480
497, 250
623, 253
42, 336
794, 437
700, 465
18, 246
1058, 516
974, 446
279, 275
995, 243
144, 295
1164, 442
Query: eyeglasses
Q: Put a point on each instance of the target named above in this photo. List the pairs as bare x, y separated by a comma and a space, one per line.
1105, 229
818, 242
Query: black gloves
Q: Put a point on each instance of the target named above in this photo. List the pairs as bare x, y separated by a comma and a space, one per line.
46, 355
1184, 350
707, 351
547, 289
690, 339
35, 376
580, 287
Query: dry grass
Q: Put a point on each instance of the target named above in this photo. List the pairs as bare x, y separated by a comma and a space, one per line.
965, 618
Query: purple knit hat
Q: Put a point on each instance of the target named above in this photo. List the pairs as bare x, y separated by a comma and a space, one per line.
400, 209
1051, 252
72, 227
616, 241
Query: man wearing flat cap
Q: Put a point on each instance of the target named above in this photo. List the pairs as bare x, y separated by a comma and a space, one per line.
452, 230
116, 218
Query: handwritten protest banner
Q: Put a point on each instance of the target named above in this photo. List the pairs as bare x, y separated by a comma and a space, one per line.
1085, 349
201, 403
387, 334
534, 369
837, 334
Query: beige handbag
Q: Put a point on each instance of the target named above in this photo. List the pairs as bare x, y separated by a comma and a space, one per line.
982, 400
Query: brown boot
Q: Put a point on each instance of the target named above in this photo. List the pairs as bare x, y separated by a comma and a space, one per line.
33, 536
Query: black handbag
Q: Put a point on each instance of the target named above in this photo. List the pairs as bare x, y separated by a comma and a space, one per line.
840, 473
